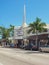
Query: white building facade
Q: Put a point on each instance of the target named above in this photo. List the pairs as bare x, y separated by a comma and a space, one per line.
21, 32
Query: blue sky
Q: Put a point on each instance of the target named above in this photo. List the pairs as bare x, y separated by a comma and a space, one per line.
11, 11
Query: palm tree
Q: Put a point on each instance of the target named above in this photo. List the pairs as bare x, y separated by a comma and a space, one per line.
37, 26
4, 32
11, 30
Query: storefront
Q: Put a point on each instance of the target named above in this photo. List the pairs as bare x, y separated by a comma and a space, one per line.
42, 38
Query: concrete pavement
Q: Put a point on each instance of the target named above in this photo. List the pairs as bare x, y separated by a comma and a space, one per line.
9, 56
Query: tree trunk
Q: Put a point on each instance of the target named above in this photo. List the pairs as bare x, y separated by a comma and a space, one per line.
36, 39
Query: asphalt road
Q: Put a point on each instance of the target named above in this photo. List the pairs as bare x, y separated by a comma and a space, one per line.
11, 56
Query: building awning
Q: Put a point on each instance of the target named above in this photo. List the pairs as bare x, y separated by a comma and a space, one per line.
42, 36
18, 37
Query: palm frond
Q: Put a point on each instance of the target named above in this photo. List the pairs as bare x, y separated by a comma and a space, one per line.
37, 25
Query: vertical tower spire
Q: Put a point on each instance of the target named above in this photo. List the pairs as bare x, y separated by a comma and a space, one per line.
24, 17
24, 13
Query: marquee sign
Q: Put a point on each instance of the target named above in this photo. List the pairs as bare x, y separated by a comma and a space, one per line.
19, 32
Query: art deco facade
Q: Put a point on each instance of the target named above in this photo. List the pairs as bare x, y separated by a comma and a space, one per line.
20, 33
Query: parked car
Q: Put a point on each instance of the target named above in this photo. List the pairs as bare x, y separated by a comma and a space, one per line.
44, 48
28, 47
12, 45
34, 47
31, 47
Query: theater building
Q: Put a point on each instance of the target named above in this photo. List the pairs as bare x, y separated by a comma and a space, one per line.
21, 35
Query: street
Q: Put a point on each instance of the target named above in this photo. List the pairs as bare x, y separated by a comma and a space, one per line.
14, 56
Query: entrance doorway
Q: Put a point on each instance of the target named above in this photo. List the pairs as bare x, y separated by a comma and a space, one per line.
19, 43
